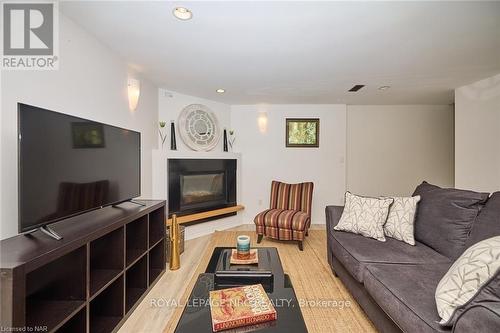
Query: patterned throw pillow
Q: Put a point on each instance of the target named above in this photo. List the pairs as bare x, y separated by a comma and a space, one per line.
401, 219
364, 216
466, 277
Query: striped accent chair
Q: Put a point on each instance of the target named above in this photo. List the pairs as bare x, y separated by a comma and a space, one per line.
289, 213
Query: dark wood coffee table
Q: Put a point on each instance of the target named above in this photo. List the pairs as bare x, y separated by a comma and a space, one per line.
196, 314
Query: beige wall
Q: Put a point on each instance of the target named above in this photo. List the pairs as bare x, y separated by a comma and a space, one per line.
477, 135
265, 157
391, 149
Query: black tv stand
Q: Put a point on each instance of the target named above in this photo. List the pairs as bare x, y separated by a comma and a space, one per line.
92, 280
131, 201
46, 230
50, 232
137, 203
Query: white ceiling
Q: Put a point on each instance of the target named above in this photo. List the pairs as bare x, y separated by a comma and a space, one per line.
303, 52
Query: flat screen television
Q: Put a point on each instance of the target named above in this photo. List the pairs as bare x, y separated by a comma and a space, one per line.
69, 166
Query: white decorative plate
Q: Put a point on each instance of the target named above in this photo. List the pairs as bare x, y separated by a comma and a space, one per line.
198, 127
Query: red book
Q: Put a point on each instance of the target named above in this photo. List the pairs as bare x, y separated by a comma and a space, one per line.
240, 306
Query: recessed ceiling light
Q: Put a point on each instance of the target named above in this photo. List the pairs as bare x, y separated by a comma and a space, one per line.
384, 87
182, 13
221, 91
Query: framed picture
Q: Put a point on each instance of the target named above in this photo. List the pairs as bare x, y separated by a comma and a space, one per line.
87, 135
302, 132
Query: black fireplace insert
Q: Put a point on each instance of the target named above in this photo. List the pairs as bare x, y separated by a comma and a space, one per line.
199, 185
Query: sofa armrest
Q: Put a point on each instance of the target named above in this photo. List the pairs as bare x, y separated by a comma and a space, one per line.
333, 214
484, 317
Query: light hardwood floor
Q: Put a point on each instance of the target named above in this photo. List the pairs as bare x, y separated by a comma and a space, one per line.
308, 270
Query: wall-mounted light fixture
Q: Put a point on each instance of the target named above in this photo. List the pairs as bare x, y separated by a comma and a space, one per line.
134, 91
262, 121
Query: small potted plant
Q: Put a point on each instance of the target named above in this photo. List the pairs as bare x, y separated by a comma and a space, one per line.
232, 138
161, 131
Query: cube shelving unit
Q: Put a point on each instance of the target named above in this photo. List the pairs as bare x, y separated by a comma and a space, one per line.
91, 280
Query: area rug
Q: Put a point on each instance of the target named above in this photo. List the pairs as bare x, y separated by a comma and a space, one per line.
325, 303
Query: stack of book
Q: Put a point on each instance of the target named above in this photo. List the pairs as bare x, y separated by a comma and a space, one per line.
240, 306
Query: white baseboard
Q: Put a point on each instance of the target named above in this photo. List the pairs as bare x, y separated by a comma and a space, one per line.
206, 228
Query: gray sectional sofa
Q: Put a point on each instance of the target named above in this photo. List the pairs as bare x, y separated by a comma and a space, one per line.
395, 282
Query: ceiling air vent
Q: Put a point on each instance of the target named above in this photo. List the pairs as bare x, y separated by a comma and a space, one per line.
356, 87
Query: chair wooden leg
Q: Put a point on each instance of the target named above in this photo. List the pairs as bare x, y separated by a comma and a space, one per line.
259, 238
301, 246
307, 233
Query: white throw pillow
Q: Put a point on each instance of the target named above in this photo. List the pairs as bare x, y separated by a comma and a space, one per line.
364, 216
401, 219
466, 277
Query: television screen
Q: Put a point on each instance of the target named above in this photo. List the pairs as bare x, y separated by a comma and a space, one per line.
70, 165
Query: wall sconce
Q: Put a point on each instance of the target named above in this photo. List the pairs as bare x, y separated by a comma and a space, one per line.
134, 90
262, 121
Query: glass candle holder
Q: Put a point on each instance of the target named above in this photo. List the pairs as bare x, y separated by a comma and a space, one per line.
243, 247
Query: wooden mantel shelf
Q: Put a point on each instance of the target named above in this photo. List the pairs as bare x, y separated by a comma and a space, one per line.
207, 214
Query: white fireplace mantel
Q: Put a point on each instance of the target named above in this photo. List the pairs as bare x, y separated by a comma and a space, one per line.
198, 154
159, 169
160, 190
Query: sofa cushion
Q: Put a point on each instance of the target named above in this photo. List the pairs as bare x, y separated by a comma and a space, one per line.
488, 221
406, 294
479, 318
445, 217
468, 275
484, 307
283, 219
355, 252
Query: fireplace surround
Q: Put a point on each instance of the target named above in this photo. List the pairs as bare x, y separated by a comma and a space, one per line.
200, 185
